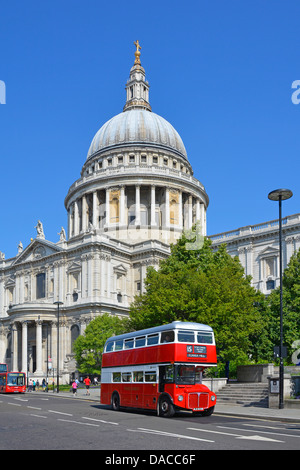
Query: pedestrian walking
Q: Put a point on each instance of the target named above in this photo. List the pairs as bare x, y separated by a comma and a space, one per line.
74, 387
87, 382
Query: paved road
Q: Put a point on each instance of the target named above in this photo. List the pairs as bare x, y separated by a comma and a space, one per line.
50, 421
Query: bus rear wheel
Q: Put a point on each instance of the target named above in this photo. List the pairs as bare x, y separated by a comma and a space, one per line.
115, 401
165, 407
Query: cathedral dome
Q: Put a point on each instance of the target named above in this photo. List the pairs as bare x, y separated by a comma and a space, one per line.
137, 126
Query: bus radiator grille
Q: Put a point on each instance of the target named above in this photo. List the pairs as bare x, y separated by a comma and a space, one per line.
198, 400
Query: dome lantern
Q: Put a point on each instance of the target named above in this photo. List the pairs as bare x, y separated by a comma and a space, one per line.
137, 87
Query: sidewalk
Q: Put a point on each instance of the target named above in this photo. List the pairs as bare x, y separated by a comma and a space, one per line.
286, 414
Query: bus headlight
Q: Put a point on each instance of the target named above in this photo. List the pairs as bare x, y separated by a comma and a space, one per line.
213, 397
180, 398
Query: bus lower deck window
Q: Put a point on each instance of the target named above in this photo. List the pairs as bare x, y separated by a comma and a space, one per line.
150, 376
126, 377
138, 376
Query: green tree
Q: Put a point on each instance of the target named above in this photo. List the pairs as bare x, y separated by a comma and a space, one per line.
206, 287
88, 347
290, 306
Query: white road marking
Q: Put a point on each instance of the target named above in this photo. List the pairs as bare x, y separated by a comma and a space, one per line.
262, 432
78, 422
60, 413
168, 434
100, 421
237, 436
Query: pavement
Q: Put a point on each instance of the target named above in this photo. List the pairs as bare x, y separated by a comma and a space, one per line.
255, 412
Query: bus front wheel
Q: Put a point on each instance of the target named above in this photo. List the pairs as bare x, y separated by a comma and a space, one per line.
115, 402
165, 407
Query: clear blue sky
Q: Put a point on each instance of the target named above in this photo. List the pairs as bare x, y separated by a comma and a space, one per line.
220, 72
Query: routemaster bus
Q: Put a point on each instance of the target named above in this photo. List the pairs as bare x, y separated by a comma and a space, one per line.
160, 369
12, 382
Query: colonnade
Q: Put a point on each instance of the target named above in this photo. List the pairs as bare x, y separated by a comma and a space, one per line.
111, 206
24, 359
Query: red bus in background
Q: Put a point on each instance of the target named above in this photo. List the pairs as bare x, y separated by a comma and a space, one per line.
160, 368
3, 367
12, 382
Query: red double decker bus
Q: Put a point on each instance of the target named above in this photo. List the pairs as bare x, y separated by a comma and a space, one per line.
3, 367
160, 368
12, 382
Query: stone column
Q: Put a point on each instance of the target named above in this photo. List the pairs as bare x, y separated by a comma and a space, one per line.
76, 219
180, 222
39, 355
107, 215
137, 206
83, 213
108, 270
167, 209
102, 275
190, 212
198, 210
95, 210
25, 346
153, 207
15, 347
122, 206
90, 276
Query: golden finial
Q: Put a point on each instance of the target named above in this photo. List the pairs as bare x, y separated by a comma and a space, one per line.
137, 53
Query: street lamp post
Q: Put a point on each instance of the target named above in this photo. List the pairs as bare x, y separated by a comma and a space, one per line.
58, 303
280, 195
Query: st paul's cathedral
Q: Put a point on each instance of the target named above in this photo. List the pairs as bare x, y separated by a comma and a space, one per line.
135, 195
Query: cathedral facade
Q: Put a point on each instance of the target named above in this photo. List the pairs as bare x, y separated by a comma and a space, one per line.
257, 247
135, 196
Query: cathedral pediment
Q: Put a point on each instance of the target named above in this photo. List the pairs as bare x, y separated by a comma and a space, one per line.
37, 249
269, 251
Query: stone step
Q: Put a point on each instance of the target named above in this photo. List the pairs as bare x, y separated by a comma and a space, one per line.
247, 394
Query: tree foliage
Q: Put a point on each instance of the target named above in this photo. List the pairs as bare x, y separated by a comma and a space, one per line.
88, 347
205, 287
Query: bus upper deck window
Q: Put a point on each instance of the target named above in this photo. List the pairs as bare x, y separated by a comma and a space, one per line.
109, 346
167, 337
185, 336
129, 343
152, 339
119, 345
204, 337
141, 341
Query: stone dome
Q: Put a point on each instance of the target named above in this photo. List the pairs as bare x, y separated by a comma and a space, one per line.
137, 126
